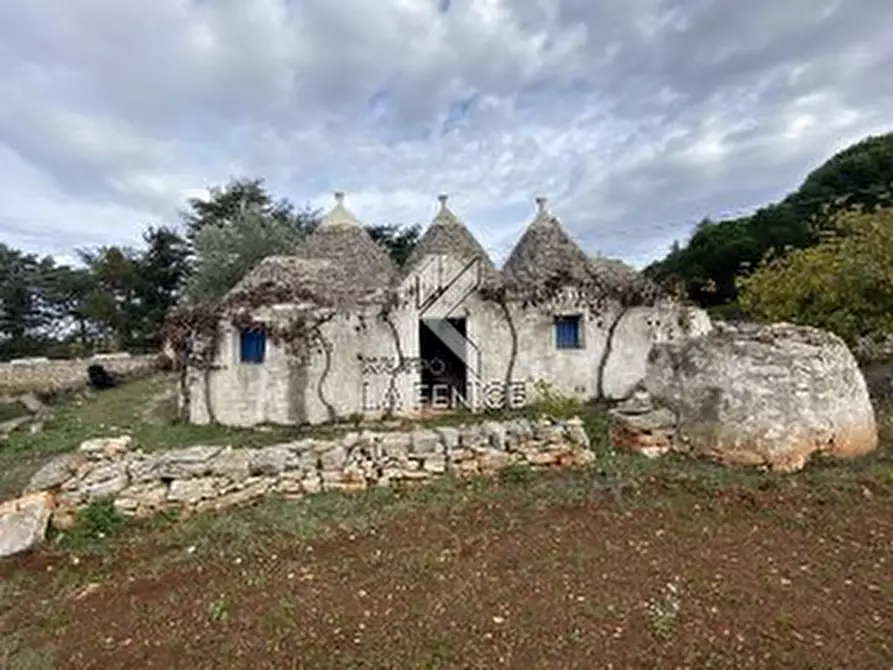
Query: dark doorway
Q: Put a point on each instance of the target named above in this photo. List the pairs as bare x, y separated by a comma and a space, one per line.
444, 375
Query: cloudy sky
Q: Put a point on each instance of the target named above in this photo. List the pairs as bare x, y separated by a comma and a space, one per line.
635, 117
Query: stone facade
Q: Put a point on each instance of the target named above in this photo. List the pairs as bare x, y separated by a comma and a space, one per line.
201, 478
43, 375
367, 356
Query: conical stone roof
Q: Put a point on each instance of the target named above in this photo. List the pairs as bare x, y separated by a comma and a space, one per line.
447, 234
341, 239
545, 253
546, 259
625, 282
290, 279
338, 265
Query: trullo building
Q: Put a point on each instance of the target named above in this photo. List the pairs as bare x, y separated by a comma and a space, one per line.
337, 330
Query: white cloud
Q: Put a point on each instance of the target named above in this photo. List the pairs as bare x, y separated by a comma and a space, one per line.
636, 117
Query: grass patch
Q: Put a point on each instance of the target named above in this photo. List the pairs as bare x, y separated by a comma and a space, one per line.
11, 410
123, 410
217, 610
144, 408
517, 473
94, 525
423, 571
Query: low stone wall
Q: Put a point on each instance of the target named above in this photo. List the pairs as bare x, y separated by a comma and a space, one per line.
44, 375
199, 478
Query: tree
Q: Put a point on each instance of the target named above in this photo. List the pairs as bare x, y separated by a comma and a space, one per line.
67, 291
224, 254
238, 225
224, 205
122, 295
397, 240
111, 303
161, 272
843, 284
23, 314
718, 253
861, 174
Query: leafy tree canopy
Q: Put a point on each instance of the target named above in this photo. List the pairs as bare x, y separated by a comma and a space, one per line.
719, 252
224, 254
240, 224
224, 204
843, 284
121, 296
398, 241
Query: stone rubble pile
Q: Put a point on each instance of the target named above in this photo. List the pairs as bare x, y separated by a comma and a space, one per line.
637, 425
203, 478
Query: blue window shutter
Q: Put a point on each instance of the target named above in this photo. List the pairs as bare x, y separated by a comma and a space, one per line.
567, 332
253, 346
247, 344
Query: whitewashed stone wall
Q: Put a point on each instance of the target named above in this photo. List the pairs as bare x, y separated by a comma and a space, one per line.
200, 478
615, 348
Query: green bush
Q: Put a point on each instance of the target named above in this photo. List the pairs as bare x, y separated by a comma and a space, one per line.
552, 403
95, 523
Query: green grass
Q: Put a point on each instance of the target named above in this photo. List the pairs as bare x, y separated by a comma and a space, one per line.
123, 410
133, 409
11, 410
635, 482
14, 655
140, 409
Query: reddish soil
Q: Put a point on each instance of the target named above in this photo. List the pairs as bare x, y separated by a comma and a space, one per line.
794, 577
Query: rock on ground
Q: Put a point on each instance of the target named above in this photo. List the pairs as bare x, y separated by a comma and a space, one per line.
31, 403
770, 395
23, 522
12, 425
55, 473
638, 425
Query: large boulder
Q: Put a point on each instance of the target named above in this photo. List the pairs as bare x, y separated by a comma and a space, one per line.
23, 522
770, 395
636, 332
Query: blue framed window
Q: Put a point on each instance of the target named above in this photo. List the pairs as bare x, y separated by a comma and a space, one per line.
252, 345
568, 334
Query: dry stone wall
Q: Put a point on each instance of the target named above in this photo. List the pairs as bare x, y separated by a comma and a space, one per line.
200, 478
44, 375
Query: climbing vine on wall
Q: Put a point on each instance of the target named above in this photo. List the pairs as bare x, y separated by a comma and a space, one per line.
593, 293
194, 332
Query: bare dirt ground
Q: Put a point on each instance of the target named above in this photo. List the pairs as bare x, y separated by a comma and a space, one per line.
545, 571
631, 563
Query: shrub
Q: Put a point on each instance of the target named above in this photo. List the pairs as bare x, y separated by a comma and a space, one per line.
96, 522
553, 403
843, 284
